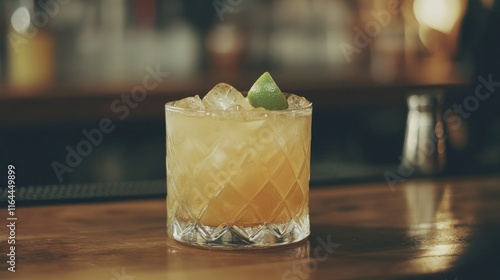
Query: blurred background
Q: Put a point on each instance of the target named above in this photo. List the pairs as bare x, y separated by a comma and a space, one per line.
83, 83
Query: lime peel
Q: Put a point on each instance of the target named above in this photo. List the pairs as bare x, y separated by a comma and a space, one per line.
266, 94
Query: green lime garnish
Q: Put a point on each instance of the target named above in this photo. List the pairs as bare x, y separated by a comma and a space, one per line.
266, 94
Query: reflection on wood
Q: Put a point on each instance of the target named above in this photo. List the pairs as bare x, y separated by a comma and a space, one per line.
358, 232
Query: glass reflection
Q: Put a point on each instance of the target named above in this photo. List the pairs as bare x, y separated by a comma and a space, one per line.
433, 226
288, 262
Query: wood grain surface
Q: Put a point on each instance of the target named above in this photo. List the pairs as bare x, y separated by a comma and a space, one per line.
420, 229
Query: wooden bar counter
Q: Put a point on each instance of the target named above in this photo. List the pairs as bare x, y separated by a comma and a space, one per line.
421, 229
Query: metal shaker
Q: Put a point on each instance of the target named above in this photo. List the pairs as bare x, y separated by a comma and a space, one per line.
424, 147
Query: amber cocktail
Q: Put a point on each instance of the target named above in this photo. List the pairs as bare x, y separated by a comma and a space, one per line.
237, 176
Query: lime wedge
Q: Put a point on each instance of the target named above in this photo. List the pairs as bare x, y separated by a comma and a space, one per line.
266, 94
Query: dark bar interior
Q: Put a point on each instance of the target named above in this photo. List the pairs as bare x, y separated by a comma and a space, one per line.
405, 150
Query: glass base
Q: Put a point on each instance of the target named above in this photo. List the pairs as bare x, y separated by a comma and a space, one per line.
235, 237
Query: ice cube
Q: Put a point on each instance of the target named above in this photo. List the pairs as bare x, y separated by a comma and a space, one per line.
297, 102
225, 97
193, 102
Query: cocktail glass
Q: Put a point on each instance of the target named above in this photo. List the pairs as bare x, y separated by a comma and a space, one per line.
238, 179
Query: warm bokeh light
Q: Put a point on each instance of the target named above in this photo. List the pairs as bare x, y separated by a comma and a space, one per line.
440, 15
20, 20
488, 3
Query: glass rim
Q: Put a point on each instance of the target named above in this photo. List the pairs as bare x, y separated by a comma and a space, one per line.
170, 107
